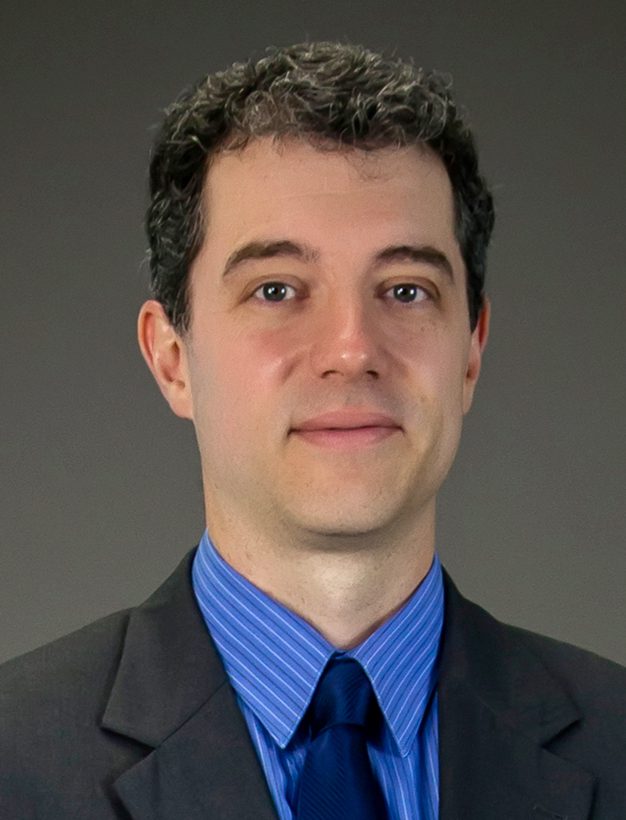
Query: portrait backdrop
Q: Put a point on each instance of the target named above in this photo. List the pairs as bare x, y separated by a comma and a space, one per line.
101, 491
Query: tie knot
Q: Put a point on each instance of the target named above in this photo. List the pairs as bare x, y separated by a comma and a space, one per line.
344, 696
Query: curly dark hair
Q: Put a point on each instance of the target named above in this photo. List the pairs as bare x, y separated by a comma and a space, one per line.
331, 94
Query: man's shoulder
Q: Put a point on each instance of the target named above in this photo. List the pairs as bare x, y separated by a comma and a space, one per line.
583, 672
492, 636
550, 700
590, 679
565, 654
52, 751
518, 666
86, 660
75, 668
533, 664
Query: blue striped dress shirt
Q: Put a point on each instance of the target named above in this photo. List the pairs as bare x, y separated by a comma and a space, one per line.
274, 660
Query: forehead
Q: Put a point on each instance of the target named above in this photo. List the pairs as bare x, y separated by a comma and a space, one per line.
290, 188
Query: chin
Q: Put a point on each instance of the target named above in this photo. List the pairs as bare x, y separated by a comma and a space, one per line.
344, 520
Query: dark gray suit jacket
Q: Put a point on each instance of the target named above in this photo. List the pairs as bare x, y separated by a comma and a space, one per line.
133, 717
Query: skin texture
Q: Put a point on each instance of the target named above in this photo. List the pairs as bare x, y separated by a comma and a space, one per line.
339, 527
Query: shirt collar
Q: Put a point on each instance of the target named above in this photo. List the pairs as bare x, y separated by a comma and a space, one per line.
274, 658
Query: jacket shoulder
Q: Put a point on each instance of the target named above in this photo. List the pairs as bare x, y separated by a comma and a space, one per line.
495, 645
594, 682
64, 668
52, 751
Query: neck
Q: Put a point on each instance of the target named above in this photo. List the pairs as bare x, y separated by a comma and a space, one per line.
345, 587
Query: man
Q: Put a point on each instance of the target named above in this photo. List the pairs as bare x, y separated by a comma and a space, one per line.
318, 230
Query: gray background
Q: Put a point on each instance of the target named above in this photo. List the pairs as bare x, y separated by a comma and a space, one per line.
101, 493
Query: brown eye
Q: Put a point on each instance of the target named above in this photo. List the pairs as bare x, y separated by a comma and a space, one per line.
408, 292
273, 292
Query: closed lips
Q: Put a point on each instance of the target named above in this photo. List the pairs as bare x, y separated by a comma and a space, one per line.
346, 421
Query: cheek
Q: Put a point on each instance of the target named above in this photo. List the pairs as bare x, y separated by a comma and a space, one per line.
231, 380
439, 367
266, 357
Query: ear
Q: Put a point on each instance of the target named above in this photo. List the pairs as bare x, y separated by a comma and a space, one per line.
165, 354
478, 342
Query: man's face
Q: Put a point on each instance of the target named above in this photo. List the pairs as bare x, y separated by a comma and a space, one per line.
328, 282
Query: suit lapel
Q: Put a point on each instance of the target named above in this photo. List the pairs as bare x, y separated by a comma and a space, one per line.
171, 694
499, 707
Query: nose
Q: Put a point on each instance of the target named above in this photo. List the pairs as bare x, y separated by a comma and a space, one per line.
346, 341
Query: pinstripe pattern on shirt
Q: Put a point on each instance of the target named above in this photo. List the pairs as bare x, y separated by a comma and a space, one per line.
274, 660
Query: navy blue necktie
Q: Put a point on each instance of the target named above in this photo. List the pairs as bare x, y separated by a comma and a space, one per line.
337, 781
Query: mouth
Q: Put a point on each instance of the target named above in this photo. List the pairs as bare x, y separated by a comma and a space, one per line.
347, 428
344, 438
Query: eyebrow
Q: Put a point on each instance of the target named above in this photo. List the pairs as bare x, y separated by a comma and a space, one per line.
269, 250
419, 254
